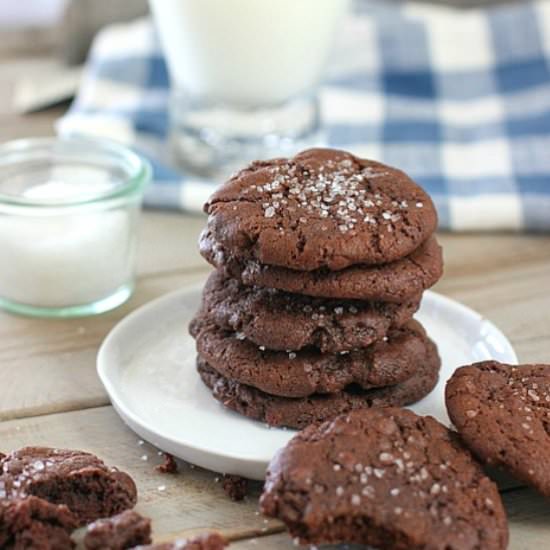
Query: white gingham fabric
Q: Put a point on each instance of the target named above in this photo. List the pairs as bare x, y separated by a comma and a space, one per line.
460, 100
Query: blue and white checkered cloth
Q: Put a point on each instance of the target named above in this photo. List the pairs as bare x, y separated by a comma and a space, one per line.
460, 100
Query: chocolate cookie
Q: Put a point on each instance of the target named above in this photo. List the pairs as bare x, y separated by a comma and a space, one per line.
299, 413
322, 208
81, 481
303, 373
122, 531
503, 414
386, 478
33, 523
210, 541
282, 321
399, 281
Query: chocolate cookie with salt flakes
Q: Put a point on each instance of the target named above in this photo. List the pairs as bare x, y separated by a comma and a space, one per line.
81, 481
301, 412
502, 413
386, 478
398, 281
303, 373
322, 208
283, 321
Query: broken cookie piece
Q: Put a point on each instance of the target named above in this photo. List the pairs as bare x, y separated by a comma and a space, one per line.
81, 481
33, 523
235, 487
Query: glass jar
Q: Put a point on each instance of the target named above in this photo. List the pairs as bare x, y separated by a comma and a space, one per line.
68, 225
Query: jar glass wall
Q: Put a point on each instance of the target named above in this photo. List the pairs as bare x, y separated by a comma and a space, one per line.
68, 225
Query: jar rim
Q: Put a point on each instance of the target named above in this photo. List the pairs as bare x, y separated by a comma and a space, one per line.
137, 170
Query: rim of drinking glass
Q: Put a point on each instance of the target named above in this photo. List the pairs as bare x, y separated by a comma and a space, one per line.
137, 168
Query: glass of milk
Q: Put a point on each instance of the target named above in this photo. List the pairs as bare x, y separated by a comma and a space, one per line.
244, 76
68, 225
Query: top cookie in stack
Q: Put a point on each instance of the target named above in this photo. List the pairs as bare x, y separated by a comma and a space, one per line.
321, 261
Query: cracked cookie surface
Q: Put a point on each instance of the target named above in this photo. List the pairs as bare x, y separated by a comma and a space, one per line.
322, 208
301, 412
303, 373
282, 321
33, 523
398, 281
503, 414
386, 478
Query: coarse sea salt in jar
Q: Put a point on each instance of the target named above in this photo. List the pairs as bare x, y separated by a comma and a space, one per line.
68, 225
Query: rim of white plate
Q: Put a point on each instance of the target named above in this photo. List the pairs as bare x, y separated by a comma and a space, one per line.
120, 405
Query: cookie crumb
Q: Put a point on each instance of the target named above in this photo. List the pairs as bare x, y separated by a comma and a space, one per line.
169, 466
235, 487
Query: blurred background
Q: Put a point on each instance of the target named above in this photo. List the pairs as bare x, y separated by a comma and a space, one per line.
44, 42
454, 92
66, 27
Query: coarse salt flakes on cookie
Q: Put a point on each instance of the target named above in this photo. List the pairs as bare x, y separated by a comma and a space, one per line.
502, 413
322, 208
386, 478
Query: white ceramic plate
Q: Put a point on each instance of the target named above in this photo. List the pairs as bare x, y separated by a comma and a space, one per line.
147, 364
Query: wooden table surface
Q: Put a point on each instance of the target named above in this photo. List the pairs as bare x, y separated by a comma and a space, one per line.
50, 394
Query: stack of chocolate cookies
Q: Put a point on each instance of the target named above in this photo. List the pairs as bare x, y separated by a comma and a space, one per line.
321, 261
